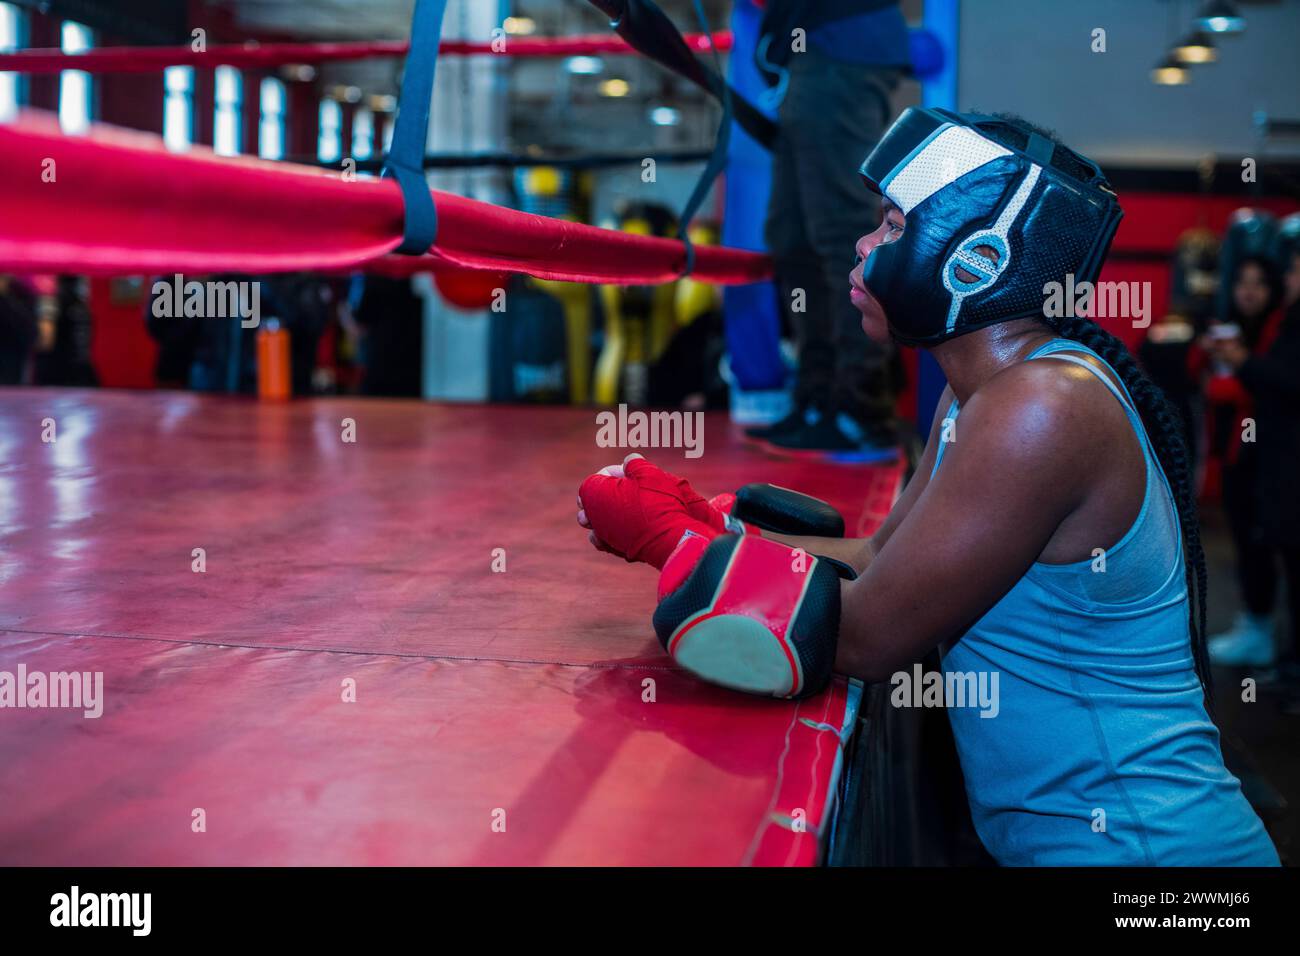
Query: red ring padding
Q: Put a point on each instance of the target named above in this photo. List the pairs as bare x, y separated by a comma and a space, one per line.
121, 204
149, 59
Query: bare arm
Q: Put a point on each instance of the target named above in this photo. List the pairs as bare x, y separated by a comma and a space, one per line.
1006, 484
855, 552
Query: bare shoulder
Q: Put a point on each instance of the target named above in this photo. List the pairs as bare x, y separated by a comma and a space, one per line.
1054, 416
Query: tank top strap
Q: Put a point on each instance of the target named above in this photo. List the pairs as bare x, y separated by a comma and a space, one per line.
1060, 348
953, 410
1057, 346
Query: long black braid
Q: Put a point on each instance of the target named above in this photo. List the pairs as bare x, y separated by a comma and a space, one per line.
1163, 422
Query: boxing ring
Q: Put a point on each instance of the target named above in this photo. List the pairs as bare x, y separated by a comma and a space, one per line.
515, 717
393, 650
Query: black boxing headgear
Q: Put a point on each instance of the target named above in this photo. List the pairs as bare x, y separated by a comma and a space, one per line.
988, 224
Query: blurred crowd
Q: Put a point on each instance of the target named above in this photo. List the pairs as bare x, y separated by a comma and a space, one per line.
344, 335
45, 332
1228, 354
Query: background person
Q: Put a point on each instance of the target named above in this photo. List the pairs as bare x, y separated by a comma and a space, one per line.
1260, 488
836, 104
18, 329
67, 360
1254, 320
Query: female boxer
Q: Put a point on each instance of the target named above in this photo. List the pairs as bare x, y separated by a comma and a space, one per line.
1048, 541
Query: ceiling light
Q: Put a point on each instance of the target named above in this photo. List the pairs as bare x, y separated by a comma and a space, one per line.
614, 87
1197, 47
520, 26
665, 116
1169, 72
585, 65
1220, 16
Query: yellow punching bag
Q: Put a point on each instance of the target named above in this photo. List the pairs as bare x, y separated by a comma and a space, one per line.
694, 298
639, 323
624, 351
544, 187
576, 299
609, 364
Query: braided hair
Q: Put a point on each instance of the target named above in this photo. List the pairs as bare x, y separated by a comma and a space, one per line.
1164, 424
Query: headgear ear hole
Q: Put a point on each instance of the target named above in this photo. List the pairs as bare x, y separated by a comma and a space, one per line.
984, 252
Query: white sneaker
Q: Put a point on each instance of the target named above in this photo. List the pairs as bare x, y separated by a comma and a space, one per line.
1249, 643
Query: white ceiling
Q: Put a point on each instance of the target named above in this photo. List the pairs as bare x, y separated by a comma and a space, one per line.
1033, 57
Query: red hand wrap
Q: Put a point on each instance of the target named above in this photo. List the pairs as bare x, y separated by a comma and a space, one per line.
644, 514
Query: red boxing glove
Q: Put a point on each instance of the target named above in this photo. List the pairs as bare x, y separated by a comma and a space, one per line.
644, 514
750, 614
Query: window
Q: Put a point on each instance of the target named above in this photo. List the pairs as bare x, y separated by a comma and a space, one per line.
178, 108
329, 143
75, 88
363, 134
230, 101
271, 128
11, 38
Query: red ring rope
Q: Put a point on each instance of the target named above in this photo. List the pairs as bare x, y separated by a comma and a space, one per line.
118, 203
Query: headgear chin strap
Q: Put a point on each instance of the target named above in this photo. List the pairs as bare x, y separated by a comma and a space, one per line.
988, 225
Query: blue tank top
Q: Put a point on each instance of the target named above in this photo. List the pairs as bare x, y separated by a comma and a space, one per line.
1100, 752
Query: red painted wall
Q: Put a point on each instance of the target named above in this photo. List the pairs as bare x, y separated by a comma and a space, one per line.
122, 350
1151, 226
